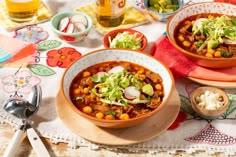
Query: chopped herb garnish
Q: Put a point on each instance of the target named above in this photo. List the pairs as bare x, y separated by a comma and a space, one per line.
215, 30
225, 54
199, 43
79, 98
111, 112
110, 87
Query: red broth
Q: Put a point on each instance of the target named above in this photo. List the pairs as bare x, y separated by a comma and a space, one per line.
85, 93
191, 42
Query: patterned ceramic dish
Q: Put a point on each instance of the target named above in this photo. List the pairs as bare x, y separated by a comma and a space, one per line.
209, 102
163, 16
194, 9
105, 55
71, 26
112, 35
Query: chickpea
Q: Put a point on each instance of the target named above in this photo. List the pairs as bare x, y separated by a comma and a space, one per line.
210, 17
141, 71
86, 90
186, 43
87, 109
158, 86
109, 117
181, 38
217, 54
210, 51
209, 55
99, 115
124, 116
86, 74
92, 96
77, 91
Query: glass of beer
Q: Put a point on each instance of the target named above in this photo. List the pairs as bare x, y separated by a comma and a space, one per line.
22, 10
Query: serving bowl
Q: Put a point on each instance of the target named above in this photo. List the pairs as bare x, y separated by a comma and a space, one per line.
163, 15
195, 9
105, 55
112, 34
209, 102
71, 26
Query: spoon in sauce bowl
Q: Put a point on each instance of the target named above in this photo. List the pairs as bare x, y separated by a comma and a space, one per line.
23, 109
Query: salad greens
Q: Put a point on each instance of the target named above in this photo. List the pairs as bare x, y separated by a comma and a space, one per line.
111, 88
217, 30
126, 40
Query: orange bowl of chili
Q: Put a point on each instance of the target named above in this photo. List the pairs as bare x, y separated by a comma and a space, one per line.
116, 88
205, 33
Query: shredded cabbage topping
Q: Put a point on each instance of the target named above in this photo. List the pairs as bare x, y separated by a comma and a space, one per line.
126, 40
110, 88
216, 30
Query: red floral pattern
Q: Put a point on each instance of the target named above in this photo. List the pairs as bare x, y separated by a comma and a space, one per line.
62, 57
180, 118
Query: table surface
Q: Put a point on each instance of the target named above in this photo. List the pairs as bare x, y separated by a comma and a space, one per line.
61, 149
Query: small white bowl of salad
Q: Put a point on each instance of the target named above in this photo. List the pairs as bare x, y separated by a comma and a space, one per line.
125, 38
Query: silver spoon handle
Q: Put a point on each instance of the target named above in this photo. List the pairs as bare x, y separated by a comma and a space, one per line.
36, 143
14, 143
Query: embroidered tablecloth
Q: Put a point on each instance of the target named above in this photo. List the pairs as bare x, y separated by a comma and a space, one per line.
188, 133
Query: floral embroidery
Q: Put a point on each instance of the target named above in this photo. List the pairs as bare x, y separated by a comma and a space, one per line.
68, 38
31, 34
211, 135
21, 82
62, 57
140, 3
180, 118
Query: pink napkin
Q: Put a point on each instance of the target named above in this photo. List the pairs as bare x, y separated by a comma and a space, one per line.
181, 66
20, 52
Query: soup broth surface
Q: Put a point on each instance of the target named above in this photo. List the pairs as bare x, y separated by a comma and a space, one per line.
117, 90
211, 35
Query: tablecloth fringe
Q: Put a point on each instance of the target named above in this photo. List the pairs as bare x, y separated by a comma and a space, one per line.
75, 142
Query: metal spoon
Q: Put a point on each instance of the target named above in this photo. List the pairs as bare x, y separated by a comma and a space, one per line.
23, 109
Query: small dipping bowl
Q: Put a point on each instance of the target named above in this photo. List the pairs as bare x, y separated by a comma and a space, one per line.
205, 110
79, 32
112, 35
163, 17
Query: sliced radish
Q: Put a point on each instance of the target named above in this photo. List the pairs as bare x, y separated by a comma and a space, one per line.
229, 42
131, 93
101, 74
70, 28
79, 18
63, 24
199, 22
79, 26
116, 69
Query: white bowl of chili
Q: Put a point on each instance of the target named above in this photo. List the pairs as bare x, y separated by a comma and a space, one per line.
116, 88
205, 33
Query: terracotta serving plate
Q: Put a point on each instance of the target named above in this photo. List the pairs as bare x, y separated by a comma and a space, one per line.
214, 83
153, 127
